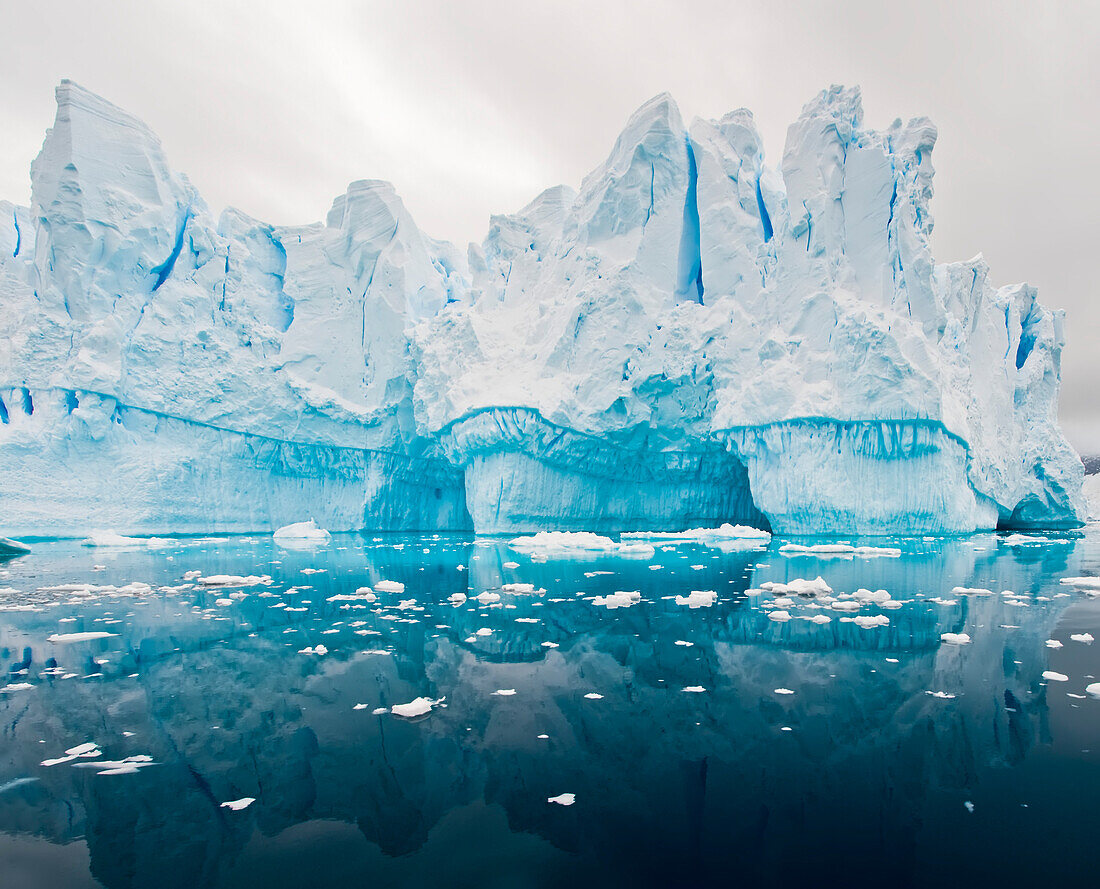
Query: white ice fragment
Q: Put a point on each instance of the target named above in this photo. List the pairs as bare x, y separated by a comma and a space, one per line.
694, 689
1053, 643
594, 696
1055, 677
415, 707
563, 799
389, 586
724, 532
505, 692
955, 638
79, 637
784, 691
302, 532
698, 599
237, 804
1082, 637
225, 580
620, 599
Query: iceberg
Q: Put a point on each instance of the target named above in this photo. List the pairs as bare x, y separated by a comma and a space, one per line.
692, 340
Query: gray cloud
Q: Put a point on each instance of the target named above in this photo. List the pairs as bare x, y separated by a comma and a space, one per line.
472, 108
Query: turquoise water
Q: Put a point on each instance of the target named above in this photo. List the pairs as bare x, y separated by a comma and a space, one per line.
861, 776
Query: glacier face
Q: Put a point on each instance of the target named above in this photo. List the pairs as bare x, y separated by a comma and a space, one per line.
691, 338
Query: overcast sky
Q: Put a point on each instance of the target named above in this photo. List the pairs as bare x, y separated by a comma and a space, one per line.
472, 108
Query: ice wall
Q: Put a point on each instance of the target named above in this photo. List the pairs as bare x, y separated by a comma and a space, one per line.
161, 370
689, 294
692, 337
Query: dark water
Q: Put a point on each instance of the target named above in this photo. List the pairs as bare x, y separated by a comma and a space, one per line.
869, 787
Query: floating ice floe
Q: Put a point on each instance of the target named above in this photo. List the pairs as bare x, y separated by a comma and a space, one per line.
1082, 583
389, 586
1093, 689
694, 689
416, 707
955, 638
1082, 637
784, 691
562, 799
840, 549
594, 696
79, 637
973, 591
1028, 540
128, 766
521, 588
222, 580
868, 621
1055, 677
798, 587
505, 692
694, 535
569, 542
237, 804
780, 615
112, 538
1053, 643
620, 599
510, 565
299, 533
698, 599
9, 546
941, 694
318, 650
15, 686
457, 598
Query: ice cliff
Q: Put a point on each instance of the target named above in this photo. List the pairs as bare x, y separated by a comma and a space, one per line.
694, 337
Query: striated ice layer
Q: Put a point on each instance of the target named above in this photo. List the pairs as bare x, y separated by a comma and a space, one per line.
693, 337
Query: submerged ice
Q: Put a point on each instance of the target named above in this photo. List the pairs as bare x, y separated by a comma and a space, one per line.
693, 338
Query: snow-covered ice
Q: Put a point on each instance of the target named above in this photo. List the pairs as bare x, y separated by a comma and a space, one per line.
720, 337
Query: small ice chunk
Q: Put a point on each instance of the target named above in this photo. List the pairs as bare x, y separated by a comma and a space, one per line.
563, 799
485, 631
237, 804
510, 565
784, 691
221, 580
698, 599
519, 588
79, 637
505, 692
389, 586
415, 707
1053, 643
303, 531
1055, 677
955, 638
620, 599
969, 807
694, 689
779, 615
594, 696
457, 598
1082, 637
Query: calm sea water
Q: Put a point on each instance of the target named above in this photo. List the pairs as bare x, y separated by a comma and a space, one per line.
815, 753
